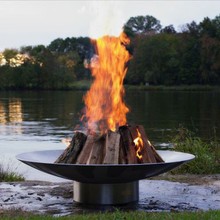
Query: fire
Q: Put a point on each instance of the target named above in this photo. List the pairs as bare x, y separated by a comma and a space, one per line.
138, 141
105, 108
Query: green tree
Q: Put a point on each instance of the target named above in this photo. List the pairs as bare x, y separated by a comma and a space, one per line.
10, 53
142, 25
168, 29
210, 60
190, 54
155, 60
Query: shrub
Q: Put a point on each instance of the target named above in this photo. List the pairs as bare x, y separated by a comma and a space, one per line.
207, 153
6, 175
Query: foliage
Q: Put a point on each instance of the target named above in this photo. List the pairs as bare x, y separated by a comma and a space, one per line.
141, 25
155, 60
54, 67
207, 154
161, 56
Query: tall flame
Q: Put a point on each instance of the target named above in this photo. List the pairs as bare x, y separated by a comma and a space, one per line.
105, 108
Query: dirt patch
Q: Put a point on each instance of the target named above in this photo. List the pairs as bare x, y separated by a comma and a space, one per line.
162, 193
191, 179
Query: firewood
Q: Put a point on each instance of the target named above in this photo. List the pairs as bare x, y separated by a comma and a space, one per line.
128, 145
149, 146
96, 153
112, 146
84, 154
71, 153
122, 156
147, 156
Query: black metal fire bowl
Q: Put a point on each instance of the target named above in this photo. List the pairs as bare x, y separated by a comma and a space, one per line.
102, 173
103, 184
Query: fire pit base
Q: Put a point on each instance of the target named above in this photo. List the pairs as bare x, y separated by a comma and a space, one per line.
106, 194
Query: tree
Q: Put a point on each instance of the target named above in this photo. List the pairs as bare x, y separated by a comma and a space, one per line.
155, 60
168, 29
208, 27
210, 60
192, 28
9, 54
142, 25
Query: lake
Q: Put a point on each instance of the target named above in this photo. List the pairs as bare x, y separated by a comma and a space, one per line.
39, 120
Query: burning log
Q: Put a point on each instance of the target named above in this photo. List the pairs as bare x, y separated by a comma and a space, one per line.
129, 145
71, 153
96, 154
112, 148
84, 155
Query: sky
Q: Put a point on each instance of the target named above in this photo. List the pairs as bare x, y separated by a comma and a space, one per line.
34, 22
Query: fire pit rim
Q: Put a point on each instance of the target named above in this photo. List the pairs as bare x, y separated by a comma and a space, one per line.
19, 157
96, 173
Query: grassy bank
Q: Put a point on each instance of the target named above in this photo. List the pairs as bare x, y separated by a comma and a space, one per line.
207, 153
172, 88
117, 215
7, 175
80, 85
85, 85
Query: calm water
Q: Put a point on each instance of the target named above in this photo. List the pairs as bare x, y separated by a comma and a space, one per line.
39, 120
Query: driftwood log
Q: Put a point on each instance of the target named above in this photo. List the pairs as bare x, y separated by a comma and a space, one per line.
113, 148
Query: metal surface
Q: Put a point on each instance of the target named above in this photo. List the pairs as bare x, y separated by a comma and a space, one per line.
106, 194
102, 173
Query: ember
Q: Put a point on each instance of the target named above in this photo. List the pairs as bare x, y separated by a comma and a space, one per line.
109, 140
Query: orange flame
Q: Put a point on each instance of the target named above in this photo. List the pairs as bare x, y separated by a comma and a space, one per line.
138, 141
105, 108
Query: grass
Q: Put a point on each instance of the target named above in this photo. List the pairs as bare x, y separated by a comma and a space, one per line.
85, 85
173, 88
7, 175
117, 215
80, 85
207, 153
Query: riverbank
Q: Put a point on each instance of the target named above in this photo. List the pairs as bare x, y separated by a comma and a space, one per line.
172, 88
83, 85
169, 193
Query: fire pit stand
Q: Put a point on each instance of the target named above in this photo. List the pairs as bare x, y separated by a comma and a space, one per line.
105, 194
103, 184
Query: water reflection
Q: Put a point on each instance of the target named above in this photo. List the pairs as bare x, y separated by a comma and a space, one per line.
57, 113
39, 120
11, 113
3, 118
15, 110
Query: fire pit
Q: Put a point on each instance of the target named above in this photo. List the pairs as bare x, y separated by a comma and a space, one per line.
107, 160
103, 184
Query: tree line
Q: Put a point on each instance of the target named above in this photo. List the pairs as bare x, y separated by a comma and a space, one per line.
160, 56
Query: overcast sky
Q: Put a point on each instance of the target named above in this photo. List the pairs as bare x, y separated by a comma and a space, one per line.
40, 22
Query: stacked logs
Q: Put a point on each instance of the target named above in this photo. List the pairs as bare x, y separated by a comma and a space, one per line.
112, 148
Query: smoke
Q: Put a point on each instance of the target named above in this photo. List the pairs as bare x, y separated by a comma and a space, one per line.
107, 19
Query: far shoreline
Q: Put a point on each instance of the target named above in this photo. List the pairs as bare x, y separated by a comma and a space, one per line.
84, 85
